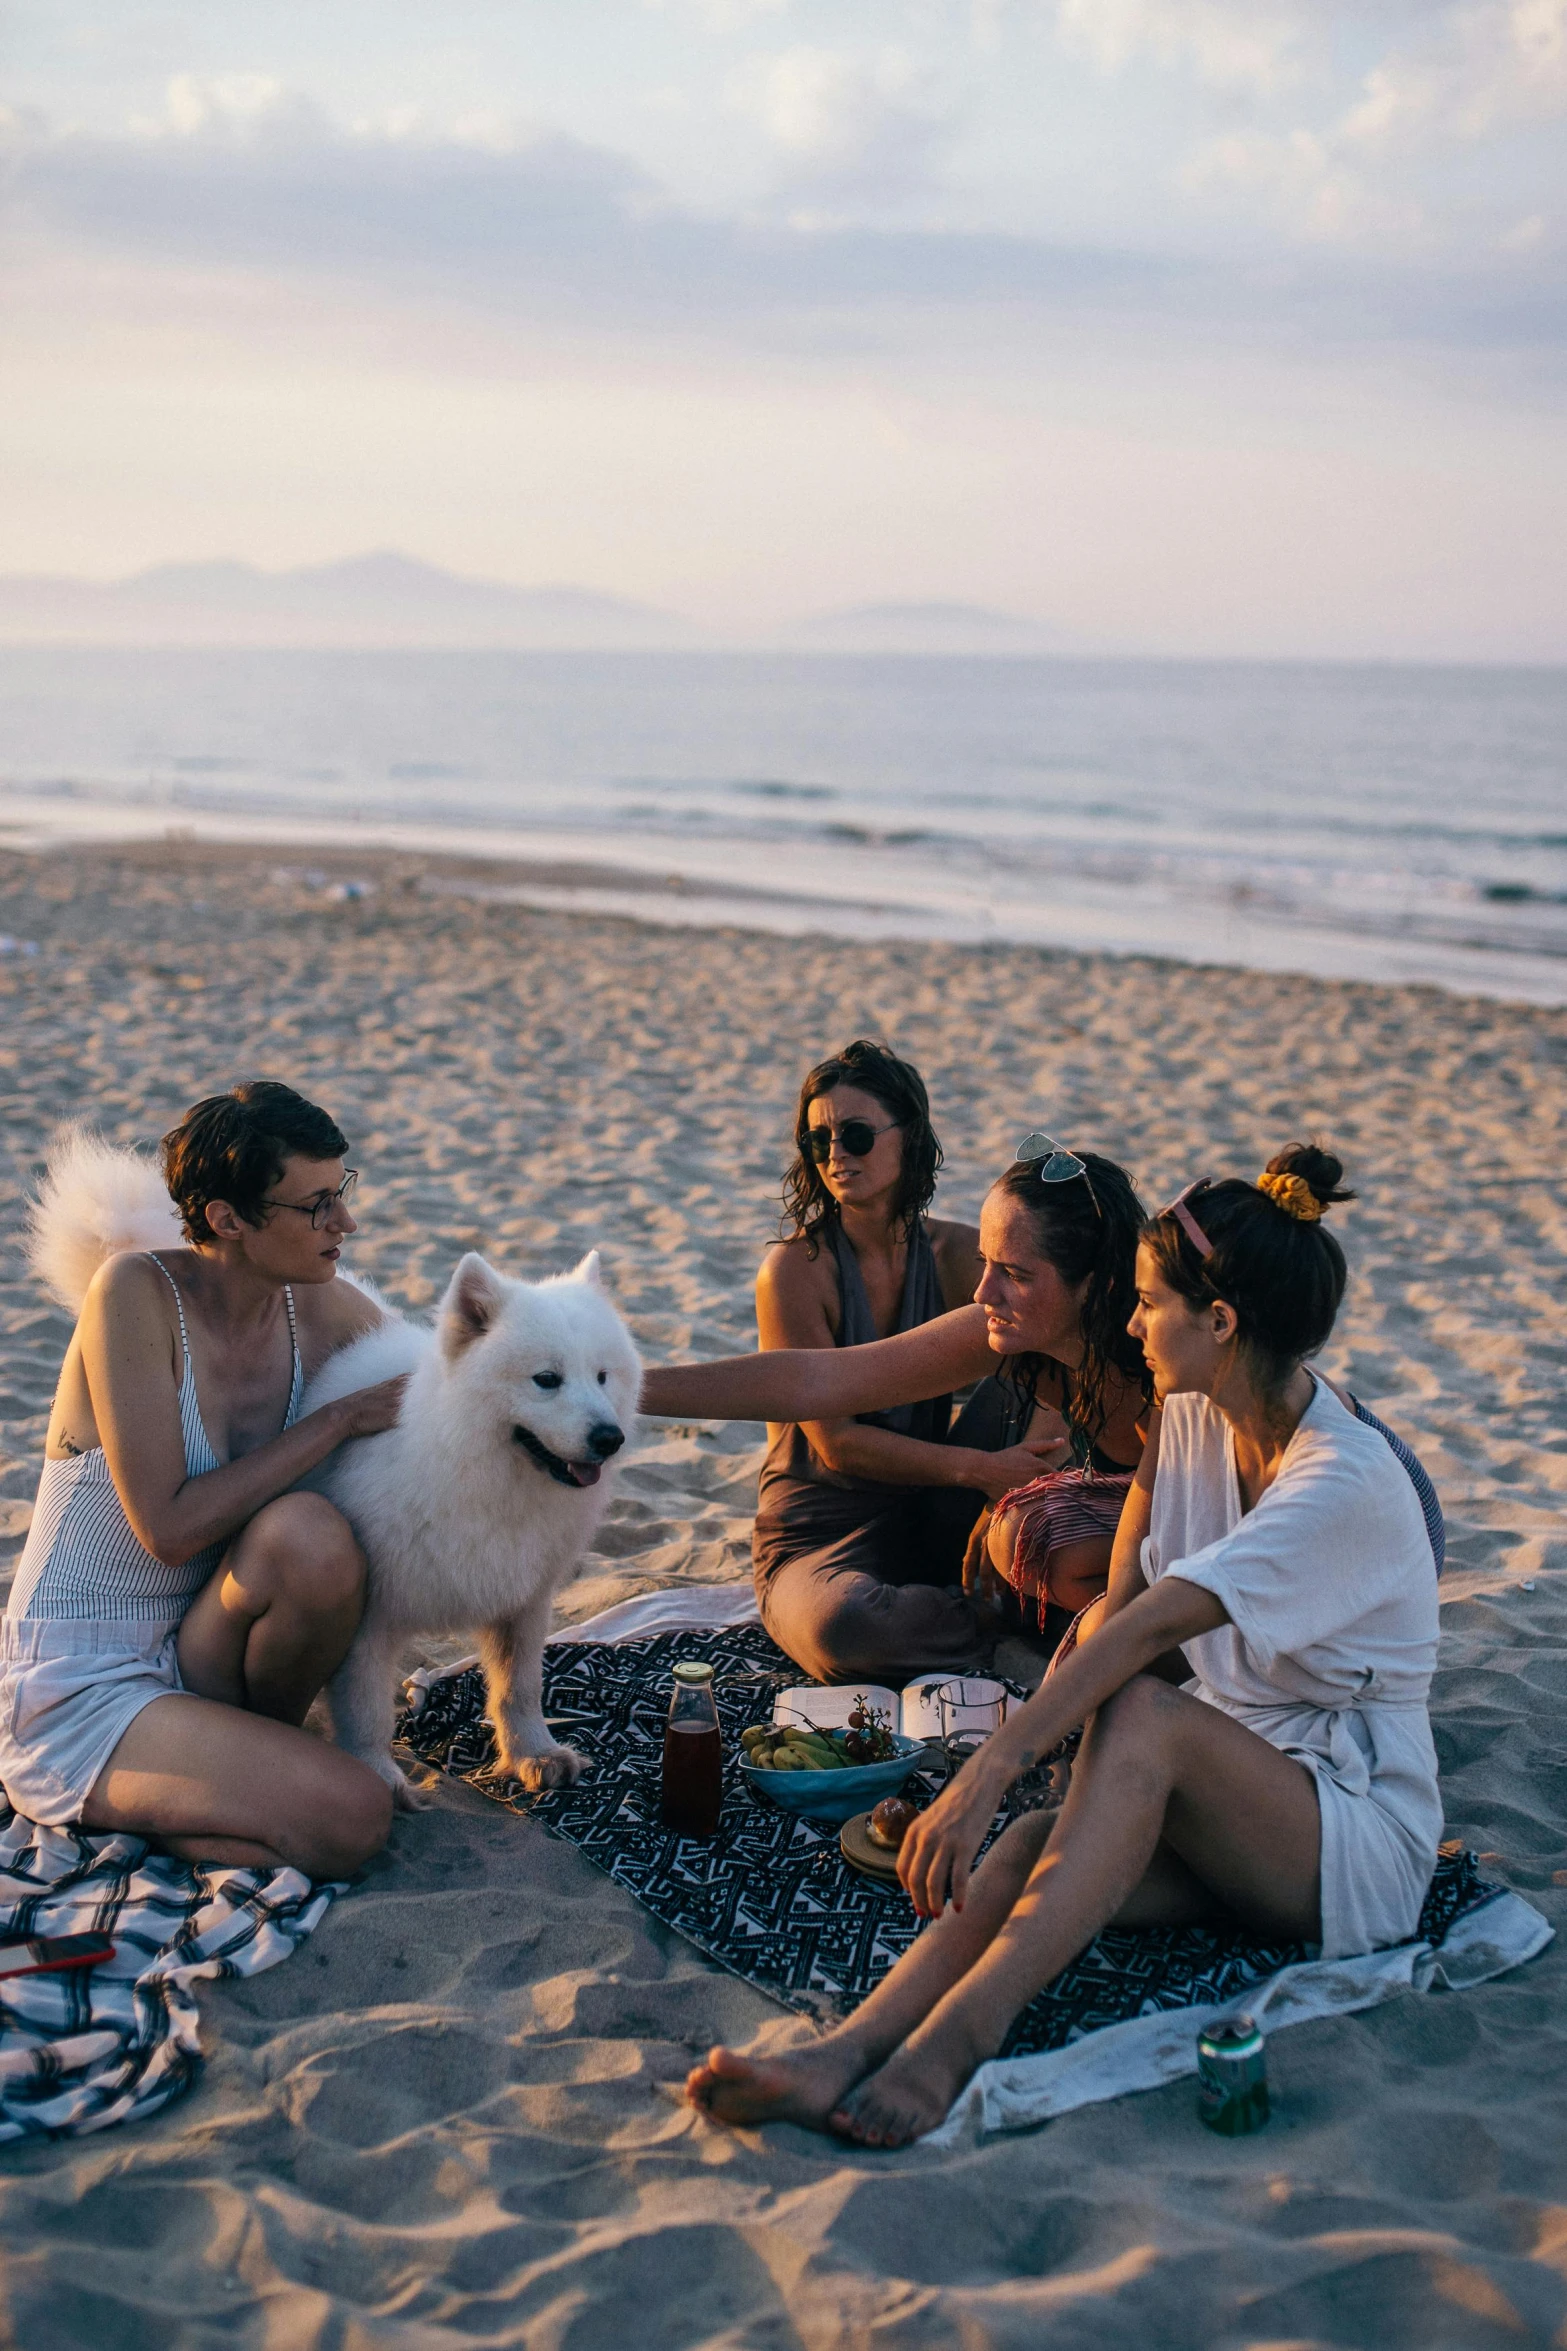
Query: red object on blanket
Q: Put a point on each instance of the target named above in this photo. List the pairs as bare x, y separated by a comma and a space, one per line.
1065, 1506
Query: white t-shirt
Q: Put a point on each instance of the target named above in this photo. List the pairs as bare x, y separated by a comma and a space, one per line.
1331, 1643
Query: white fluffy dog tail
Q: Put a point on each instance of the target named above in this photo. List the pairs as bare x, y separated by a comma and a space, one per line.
95, 1199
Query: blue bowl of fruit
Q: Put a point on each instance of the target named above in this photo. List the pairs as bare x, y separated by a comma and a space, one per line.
828, 1774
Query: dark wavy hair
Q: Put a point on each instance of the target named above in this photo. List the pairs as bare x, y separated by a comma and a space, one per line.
1088, 1232
232, 1147
897, 1085
1283, 1275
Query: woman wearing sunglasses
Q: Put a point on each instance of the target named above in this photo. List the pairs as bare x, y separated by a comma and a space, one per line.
857, 1575
862, 1521
176, 1608
1273, 1558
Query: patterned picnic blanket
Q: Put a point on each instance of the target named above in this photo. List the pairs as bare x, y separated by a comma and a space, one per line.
770, 1897
82, 2050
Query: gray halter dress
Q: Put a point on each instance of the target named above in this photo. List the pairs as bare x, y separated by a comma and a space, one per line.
857, 1580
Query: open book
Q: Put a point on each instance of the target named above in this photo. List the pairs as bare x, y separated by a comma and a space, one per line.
915, 1711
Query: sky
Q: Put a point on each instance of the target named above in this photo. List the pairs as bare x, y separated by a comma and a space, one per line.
1181, 326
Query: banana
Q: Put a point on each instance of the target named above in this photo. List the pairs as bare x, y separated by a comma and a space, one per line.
816, 1752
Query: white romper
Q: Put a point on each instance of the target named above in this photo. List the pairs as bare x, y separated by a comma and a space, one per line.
88, 1637
1331, 1643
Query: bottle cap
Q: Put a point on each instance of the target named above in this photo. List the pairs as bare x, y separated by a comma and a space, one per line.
690, 1671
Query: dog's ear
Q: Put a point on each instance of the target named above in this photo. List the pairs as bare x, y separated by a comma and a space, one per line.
589, 1271
474, 1297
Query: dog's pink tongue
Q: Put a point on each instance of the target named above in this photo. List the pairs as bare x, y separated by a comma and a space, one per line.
586, 1473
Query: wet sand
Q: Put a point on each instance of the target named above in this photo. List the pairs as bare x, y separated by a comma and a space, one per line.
447, 2119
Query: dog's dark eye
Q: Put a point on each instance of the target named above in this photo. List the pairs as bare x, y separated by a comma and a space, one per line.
603, 1376
547, 1379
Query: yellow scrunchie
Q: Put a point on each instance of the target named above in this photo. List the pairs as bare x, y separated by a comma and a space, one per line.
1294, 1195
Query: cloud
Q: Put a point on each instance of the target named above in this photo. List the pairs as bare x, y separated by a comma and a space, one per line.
1250, 45
1373, 173
1482, 68
1308, 183
526, 223
234, 107
838, 120
526, 230
721, 16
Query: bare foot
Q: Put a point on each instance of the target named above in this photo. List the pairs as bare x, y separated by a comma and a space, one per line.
905, 2098
803, 2085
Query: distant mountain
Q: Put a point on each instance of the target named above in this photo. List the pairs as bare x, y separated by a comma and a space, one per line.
382, 599
925, 628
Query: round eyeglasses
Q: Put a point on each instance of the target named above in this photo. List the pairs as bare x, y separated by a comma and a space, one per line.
321, 1207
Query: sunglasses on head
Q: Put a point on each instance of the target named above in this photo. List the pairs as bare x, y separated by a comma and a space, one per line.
1053, 1163
856, 1138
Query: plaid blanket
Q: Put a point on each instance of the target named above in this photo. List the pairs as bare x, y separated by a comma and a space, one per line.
82, 2050
770, 1897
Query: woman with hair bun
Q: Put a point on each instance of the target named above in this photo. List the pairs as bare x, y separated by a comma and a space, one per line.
1272, 1558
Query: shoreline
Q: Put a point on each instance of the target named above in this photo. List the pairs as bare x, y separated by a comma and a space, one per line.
666, 884
449, 2116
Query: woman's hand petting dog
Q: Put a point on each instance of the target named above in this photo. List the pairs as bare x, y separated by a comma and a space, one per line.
367, 1411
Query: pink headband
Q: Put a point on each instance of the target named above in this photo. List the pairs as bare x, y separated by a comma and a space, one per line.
1185, 1219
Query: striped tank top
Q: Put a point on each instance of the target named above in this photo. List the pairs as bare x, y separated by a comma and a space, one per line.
83, 1561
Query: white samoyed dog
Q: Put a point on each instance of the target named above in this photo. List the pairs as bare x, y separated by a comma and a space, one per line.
475, 1510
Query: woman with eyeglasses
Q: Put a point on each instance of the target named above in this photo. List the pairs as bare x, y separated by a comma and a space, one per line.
177, 1608
1273, 1557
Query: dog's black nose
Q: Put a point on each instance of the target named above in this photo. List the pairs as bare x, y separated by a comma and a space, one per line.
604, 1438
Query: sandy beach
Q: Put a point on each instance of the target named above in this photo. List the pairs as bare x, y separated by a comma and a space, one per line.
447, 2120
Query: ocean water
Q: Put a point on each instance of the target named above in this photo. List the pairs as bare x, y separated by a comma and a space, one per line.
1371, 822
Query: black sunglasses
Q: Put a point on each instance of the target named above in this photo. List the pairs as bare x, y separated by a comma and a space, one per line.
856, 1137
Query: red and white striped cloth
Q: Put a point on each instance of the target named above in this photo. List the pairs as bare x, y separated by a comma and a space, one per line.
1065, 1506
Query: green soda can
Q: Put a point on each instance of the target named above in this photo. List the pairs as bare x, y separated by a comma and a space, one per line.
1232, 2077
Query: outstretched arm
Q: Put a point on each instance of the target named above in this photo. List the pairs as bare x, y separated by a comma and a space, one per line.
826, 1383
793, 1311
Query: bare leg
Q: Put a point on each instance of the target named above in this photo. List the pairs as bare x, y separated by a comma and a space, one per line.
1074, 1573
805, 2084
216, 1784
276, 1620
223, 1774
513, 1655
1237, 1817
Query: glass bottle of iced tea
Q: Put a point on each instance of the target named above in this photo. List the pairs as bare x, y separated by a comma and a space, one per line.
693, 1755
